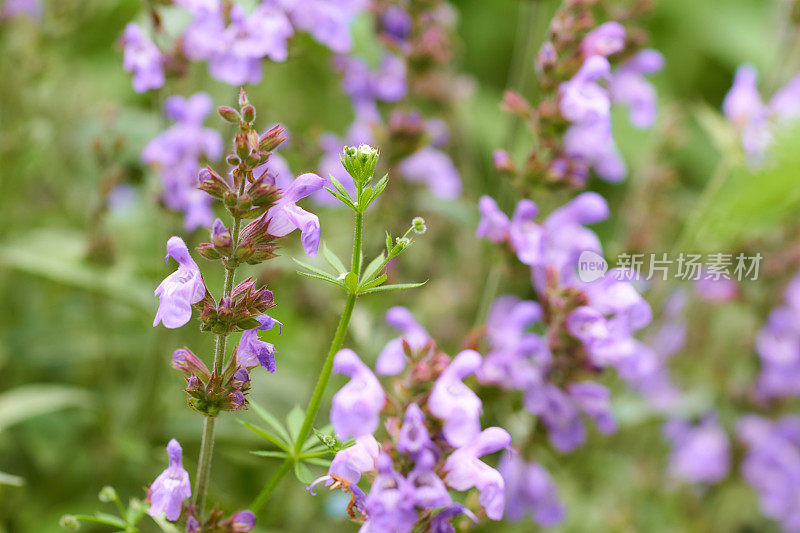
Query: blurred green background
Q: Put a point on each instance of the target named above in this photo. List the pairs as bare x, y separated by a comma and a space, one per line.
87, 397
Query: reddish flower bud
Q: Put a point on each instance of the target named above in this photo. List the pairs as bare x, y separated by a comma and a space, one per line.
229, 114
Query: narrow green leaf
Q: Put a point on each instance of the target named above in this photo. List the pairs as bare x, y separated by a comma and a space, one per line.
314, 269
272, 420
103, 518
270, 453
399, 286
264, 434
316, 461
366, 197
374, 283
346, 201
302, 473
323, 278
339, 187
372, 267
333, 260
294, 421
316, 454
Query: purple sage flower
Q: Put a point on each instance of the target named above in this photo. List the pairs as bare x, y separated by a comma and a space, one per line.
181, 289
252, 351
390, 502
142, 58
172, 487
529, 490
628, 86
436, 169
355, 409
606, 39
286, 216
456, 404
328, 21
465, 470
392, 359
441, 522
351, 462
700, 453
414, 437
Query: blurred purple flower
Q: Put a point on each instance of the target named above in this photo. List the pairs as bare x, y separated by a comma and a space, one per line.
171, 487
181, 289
456, 404
142, 58
778, 346
328, 21
604, 40
414, 437
390, 502
441, 522
392, 359
529, 490
700, 452
387, 84
436, 169
355, 409
16, 8
465, 470
628, 86
176, 153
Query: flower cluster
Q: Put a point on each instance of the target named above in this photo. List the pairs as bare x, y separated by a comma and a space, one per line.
178, 152
414, 44
248, 192
432, 438
172, 488
235, 42
578, 86
17, 8
772, 465
778, 346
754, 120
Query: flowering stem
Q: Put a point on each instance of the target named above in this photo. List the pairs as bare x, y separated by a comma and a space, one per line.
324, 376
207, 443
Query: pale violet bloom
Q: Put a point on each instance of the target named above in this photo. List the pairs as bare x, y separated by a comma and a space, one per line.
582, 99
356, 407
172, 487
252, 351
529, 490
351, 462
606, 39
456, 404
435, 169
392, 359
181, 289
142, 58
700, 452
629, 86
414, 437
286, 216
328, 21
465, 470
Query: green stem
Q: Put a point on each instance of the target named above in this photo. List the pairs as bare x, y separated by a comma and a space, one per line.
324, 376
313, 406
207, 442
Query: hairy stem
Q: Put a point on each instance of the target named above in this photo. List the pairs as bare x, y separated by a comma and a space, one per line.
322, 381
207, 443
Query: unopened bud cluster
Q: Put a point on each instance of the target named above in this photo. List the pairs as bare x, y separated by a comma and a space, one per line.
208, 392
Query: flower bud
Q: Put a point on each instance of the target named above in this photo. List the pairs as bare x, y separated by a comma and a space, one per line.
212, 183
221, 238
516, 104
272, 138
418, 223
184, 360
228, 114
107, 494
242, 145
232, 160
249, 113
243, 101
69, 521
243, 521
502, 161
360, 162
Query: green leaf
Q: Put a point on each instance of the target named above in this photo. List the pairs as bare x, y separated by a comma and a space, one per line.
366, 197
314, 269
351, 281
105, 519
28, 401
332, 259
272, 420
165, 526
373, 267
374, 283
399, 286
316, 461
294, 421
345, 200
302, 473
11, 480
264, 434
136, 511
323, 278
270, 453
